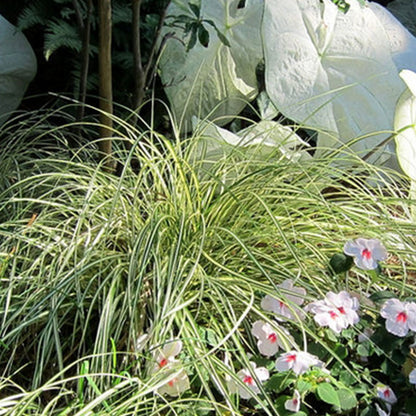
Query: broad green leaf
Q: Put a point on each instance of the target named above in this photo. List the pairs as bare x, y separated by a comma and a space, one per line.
216, 81
347, 399
17, 67
331, 71
327, 393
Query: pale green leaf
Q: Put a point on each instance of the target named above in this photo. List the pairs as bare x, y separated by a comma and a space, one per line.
405, 126
17, 67
216, 81
332, 71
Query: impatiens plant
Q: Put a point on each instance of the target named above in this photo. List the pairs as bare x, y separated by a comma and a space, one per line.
293, 405
297, 361
249, 381
400, 316
286, 308
386, 393
337, 311
269, 341
165, 363
366, 252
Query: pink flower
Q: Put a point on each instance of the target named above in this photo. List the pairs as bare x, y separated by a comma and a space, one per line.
166, 355
268, 339
286, 307
177, 380
412, 376
366, 253
177, 383
248, 378
337, 311
298, 361
386, 393
293, 405
400, 316
381, 412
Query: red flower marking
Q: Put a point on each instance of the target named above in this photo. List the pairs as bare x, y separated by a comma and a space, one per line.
341, 310
291, 357
171, 382
248, 380
282, 304
401, 317
163, 362
386, 393
366, 253
333, 314
272, 337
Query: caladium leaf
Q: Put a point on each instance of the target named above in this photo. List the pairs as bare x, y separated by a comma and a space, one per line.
17, 67
331, 71
261, 141
217, 80
405, 126
402, 42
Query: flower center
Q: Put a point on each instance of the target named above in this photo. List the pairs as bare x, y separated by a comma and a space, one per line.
272, 337
366, 253
401, 317
163, 362
333, 314
248, 380
341, 310
291, 357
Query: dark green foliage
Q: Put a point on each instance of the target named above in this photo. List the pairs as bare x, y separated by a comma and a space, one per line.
57, 23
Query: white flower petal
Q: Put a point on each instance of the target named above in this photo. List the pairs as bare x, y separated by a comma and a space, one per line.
293, 405
412, 376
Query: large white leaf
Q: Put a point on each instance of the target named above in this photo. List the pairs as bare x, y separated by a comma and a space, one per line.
405, 125
402, 42
258, 142
218, 80
330, 70
17, 67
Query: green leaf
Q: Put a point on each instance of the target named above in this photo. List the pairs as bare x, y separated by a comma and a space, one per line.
303, 386
200, 80
192, 39
347, 399
203, 36
379, 297
279, 382
196, 10
410, 406
327, 393
340, 263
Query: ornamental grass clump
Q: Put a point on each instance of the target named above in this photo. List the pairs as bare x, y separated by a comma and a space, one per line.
165, 290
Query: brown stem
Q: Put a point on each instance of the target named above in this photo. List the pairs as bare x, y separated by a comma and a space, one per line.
105, 73
85, 60
139, 74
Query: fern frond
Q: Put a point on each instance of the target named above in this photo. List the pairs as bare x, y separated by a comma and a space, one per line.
122, 12
61, 34
36, 13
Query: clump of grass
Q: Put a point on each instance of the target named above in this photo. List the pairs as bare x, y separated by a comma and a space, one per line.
100, 269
